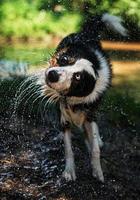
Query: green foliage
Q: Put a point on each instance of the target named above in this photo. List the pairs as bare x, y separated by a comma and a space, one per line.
129, 9
36, 18
22, 19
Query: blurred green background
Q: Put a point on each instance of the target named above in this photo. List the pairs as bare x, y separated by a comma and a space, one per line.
39, 18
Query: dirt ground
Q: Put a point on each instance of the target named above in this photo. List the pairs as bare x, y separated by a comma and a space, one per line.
32, 161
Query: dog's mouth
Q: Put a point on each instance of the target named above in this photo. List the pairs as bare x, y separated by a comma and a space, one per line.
59, 89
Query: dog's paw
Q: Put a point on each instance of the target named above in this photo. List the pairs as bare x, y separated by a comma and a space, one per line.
98, 174
69, 175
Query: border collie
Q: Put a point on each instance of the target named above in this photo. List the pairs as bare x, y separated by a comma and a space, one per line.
78, 75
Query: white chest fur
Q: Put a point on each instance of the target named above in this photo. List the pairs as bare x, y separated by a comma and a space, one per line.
67, 114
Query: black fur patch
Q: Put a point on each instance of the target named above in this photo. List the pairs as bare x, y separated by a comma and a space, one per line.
77, 51
82, 87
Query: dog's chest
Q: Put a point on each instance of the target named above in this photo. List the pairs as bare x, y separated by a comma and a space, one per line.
74, 117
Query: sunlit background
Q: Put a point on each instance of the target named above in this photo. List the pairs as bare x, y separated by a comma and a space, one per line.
30, 30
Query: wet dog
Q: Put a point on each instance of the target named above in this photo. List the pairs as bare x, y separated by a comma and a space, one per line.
78, 75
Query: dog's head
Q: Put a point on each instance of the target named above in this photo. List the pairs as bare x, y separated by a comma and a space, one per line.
78, 72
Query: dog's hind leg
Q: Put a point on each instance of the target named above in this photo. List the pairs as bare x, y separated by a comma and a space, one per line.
69, 172
93, 141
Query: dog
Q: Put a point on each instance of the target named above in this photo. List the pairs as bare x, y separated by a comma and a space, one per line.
78, 75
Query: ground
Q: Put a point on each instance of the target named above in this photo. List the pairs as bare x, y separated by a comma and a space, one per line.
32, 161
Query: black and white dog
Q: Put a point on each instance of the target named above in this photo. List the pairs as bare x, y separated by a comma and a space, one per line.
78, 75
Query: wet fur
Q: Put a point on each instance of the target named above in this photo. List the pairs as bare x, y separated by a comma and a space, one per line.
79, 98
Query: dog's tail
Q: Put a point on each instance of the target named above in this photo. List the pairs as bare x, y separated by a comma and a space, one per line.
114, 23
97, 24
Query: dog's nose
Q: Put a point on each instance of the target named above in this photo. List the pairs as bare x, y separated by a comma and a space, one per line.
52, 76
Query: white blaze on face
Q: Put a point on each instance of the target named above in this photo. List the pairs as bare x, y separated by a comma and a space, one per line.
66, 73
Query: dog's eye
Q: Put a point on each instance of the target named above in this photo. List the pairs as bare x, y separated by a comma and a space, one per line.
77, 76
63, 60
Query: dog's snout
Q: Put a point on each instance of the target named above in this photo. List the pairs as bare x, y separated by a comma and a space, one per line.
52, 76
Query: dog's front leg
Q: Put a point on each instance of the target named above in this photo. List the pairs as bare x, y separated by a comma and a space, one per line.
69, 172
94, 143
